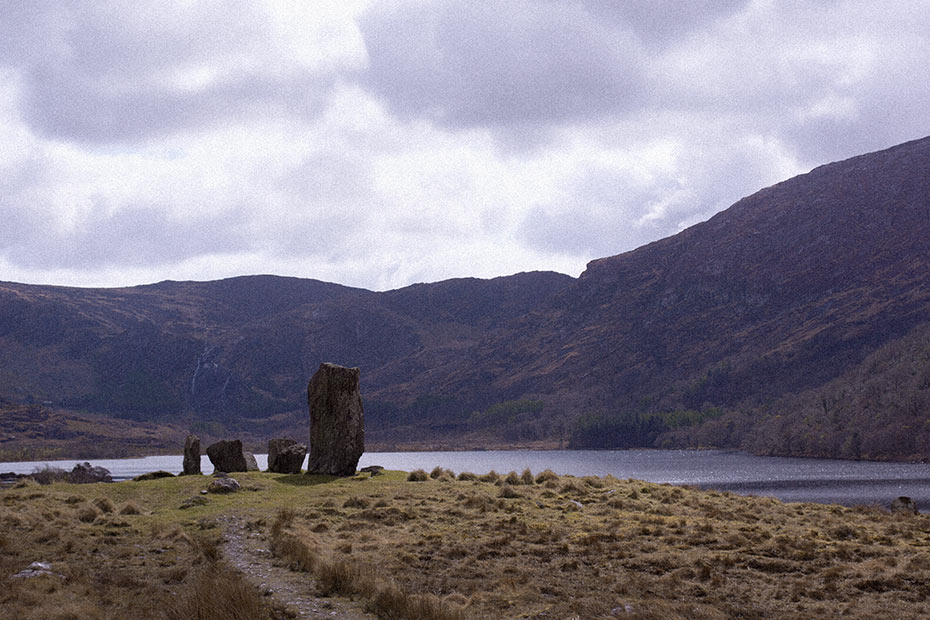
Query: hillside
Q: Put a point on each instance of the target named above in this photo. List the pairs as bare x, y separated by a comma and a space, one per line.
703, 337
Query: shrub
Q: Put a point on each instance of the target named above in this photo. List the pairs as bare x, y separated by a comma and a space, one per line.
513, 479
48, 474
437, 472
467, 476
417, 475
527, 477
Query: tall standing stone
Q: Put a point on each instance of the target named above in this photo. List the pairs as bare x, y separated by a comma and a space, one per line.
337, 422
191, 456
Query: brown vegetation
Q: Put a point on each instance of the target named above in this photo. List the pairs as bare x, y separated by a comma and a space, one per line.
514, 546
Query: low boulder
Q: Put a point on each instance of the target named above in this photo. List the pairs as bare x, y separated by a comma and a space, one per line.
904, 505
224, 485
37, 569
84, 473
191, 465
286, 456
153, 475
227, 455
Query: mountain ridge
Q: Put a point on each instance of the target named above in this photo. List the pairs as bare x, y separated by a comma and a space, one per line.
788, 290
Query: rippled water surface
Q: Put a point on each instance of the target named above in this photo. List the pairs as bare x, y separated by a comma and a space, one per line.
789, 479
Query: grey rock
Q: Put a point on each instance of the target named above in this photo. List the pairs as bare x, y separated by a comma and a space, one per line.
250, 463
36, 569
83, 473
153, 475
337, 421
196, 500
904, 505
191, 456
227, 455
286, 456
224, 485
374, 470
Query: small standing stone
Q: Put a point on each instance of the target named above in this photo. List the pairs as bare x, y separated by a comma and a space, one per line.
191, 456
250, 463
286, 456
227, 455
337, 421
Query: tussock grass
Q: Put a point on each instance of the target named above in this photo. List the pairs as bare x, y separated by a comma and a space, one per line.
218, 593
342, 577
417, 475
559, 547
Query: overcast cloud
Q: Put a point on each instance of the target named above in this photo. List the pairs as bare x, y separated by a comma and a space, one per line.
378, 144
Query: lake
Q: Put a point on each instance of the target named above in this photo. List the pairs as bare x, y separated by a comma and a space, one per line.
789, 479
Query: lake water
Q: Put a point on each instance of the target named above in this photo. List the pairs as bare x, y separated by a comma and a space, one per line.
789, 479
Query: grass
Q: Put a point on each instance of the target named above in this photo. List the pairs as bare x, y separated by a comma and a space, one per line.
448, 548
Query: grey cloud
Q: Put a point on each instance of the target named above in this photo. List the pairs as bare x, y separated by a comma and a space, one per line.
332, 197
500, 62
78, 109
131, 237
597, 216
102, 72
606, 211
660, 22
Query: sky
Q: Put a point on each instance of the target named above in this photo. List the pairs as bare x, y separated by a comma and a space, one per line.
378, 144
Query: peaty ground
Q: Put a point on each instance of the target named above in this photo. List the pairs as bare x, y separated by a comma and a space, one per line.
440, 546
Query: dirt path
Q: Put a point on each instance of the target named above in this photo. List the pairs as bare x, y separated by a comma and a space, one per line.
247, 548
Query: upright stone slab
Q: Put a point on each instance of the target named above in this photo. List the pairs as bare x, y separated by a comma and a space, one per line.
250, 463
286, 456
337, 422
191, 456
226, 455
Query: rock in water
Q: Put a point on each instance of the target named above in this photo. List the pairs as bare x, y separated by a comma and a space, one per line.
337, 422
286, 456
227, 455
191, 456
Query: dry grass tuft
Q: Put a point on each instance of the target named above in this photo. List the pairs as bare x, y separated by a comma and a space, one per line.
130, 508
547, 476
218, 593
87, 514
417, 475
492, 476
356, 502
104, 505
341, 577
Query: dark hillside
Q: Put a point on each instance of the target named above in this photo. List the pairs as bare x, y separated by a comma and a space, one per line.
785, 292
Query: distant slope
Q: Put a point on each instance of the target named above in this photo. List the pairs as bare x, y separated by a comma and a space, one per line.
784, 293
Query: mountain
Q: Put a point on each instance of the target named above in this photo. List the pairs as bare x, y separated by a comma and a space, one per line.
723, 334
